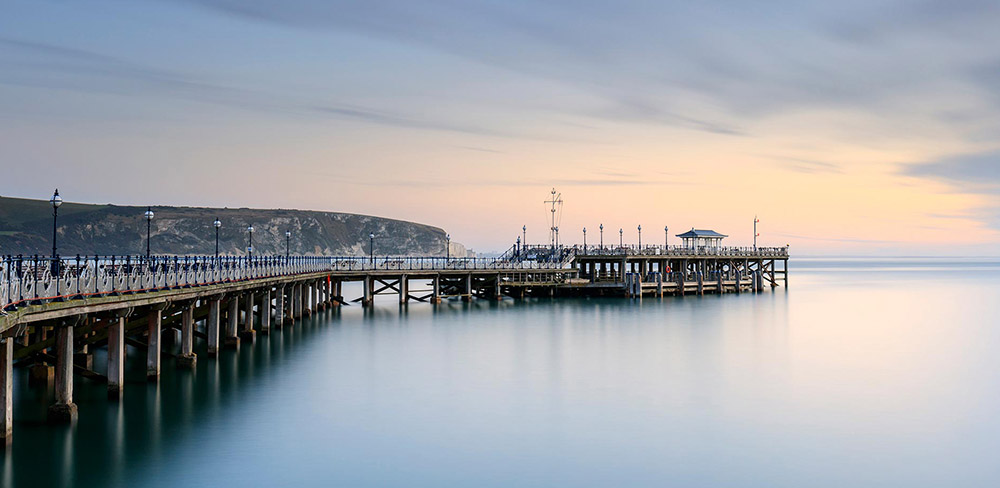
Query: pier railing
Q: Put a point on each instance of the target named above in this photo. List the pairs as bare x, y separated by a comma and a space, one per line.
561, 252
30, 280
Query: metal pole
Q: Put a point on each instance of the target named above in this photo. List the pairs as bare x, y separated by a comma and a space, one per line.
55, 217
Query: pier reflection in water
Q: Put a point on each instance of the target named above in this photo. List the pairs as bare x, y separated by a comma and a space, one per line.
860, 365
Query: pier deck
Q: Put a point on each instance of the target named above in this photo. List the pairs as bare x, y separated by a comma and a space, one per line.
57, 311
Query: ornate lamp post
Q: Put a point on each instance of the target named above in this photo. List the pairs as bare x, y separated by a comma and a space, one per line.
585, 240
517, 247
640, 237
666, 237
217, 224
524, 233
602, 236
56, 201
250, 230
149, 224
447, 247
621, 237
288, 239
371, 247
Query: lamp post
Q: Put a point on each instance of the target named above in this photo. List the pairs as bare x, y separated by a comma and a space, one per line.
371, 248
621, 237
755, 234
602, 236
447, 247
524, 233
288, 239
640, 237
666, 237
250, 241
56, 201
585, 240
217, 224
149, 224
517, 248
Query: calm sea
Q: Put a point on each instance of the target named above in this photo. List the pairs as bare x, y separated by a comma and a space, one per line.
864, 373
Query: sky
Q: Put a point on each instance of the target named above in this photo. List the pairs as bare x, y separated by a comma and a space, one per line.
849, 128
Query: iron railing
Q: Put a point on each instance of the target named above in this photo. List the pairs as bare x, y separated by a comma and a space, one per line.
31, 280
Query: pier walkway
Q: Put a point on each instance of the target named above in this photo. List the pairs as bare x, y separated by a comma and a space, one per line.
57, 311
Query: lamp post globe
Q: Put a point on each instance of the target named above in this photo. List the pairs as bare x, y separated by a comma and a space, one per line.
149, 223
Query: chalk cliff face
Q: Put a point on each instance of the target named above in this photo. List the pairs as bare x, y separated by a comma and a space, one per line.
26, 228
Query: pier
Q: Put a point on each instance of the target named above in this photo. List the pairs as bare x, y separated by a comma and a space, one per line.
57, 311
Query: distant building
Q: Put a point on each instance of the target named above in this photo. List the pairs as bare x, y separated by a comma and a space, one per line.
696, 238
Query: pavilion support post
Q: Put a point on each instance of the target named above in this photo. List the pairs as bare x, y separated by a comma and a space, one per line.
367, 300
6, 390
212, 328
307, 299
154, 321
304, 300
64, 410
232, 319
116, 357
188, 359
279, 306
467, 296
265, 311
298, 301
41, 373
247, 334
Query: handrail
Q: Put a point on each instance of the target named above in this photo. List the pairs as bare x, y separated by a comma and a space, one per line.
30, 280
38, 279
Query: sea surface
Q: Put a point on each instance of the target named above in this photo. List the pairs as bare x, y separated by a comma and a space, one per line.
863, 373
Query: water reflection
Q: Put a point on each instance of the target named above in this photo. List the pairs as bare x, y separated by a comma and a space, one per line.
784, 389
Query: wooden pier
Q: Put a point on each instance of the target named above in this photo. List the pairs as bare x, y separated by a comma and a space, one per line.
56, 312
